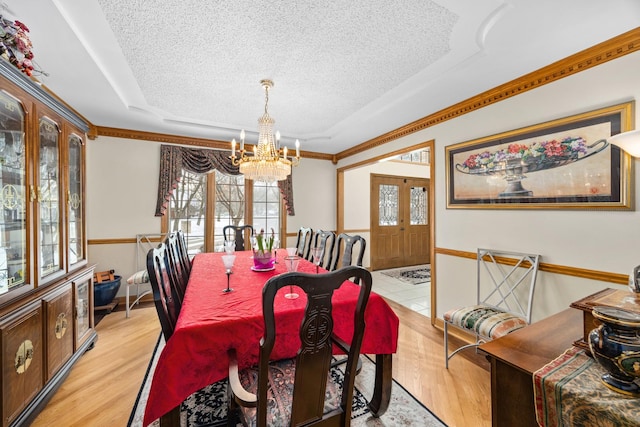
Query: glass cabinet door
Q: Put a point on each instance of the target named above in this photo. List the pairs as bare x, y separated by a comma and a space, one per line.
75, 202
49, 198
83, 291
13, 228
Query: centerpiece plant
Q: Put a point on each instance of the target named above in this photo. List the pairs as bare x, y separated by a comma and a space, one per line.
263, 256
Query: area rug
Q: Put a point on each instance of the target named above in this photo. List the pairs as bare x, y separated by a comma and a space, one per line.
208, 407
413, 275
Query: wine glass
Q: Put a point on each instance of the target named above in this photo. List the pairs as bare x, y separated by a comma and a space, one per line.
316, 252
228, 261
276, 245
230, 247
291, 251
292, 265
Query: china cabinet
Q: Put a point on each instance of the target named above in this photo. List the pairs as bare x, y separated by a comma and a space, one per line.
46, 282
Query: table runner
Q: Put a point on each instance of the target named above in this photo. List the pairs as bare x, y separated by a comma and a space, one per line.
568, 392
211, 322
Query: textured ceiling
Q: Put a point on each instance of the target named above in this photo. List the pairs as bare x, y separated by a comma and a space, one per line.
342, 54
344, 71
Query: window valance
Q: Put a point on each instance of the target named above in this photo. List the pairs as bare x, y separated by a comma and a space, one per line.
173, 159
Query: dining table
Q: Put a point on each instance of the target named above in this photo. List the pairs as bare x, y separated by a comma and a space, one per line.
211, 321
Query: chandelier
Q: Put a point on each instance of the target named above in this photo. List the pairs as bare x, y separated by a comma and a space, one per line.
268, 163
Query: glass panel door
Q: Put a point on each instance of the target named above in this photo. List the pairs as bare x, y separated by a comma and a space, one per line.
74, 201
49, 198
418, 206
13, 228
388, 204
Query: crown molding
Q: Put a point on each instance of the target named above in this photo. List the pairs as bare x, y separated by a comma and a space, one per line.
599, 54
609, 50
96, 131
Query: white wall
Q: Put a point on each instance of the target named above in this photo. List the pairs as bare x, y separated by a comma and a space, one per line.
597, 240
314, 194
122, 183
122, 186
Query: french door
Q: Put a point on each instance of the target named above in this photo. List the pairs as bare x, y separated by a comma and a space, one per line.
399, 221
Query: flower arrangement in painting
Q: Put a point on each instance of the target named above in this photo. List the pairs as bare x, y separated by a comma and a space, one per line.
15, 45
570, 148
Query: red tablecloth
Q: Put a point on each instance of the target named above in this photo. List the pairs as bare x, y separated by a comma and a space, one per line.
211, 322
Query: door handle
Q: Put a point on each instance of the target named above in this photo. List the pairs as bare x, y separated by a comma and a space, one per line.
401, 228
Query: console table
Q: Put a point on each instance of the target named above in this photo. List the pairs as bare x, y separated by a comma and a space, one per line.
515, 357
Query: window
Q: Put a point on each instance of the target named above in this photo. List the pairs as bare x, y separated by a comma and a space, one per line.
203, 204
187, 209
266, 208
230, 204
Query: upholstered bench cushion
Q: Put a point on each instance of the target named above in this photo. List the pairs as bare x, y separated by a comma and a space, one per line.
281, 377
141, 276
487, 321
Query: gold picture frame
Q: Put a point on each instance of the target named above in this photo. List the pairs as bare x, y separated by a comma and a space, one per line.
561, 164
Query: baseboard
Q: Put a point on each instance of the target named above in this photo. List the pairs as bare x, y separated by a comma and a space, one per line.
122, 299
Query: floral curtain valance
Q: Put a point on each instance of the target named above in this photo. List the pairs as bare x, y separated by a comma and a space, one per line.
173, 159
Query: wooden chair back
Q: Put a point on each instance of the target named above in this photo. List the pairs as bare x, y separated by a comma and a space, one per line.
237, 233
303, 243
326, 240
346, 247
184, 251
314, 357
164, 295
177, 264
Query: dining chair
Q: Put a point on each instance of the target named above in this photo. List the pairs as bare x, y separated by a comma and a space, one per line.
303, 243
326, 241
184, 251
237, 233
505, 283
176, 264
345, 249
165, 296
302, 382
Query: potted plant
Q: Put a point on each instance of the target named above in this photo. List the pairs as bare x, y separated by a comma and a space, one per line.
263, 258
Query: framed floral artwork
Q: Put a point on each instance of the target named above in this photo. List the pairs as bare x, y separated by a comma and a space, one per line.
562, 164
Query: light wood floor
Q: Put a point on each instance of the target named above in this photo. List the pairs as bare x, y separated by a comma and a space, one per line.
102, 388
